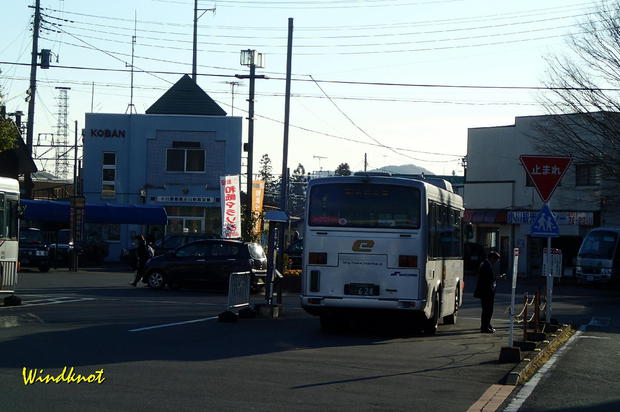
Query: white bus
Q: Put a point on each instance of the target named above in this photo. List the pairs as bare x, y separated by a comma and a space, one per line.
9, 224
382, 245
598, 259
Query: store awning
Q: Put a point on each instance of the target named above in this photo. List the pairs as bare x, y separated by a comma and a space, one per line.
485, 216
107, 213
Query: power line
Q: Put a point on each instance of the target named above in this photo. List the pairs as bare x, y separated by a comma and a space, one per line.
496, 16
344, 82
324, 46
398, 34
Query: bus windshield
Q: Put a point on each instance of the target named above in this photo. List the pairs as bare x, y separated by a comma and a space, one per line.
363, 205
599, 245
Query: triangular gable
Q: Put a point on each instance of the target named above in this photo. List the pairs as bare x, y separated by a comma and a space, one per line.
186, 97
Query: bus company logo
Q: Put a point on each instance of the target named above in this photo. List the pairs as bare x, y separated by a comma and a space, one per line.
363, 245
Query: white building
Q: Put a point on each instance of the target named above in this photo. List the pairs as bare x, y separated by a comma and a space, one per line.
501, 200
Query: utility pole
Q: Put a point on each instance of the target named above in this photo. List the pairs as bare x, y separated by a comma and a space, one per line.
284, 187
252, 59
195, 50
232, 99
28, 185
287, 109
365, 162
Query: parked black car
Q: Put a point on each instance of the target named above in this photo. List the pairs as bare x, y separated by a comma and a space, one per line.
206, 263
60, 252
33, 251
166, 244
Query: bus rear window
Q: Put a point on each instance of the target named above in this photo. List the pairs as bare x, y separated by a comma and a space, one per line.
599, 245
364, 205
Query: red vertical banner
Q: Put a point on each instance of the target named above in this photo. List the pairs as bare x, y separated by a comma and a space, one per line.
230, 204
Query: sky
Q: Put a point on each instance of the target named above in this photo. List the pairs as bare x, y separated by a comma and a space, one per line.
397, 81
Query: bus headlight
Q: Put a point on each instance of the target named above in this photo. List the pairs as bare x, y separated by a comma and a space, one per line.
606, 271
41, 253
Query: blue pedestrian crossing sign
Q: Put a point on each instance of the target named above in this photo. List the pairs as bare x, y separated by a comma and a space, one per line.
545, 224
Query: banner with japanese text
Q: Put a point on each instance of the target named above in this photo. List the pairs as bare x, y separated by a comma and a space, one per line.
231, 206
258, 193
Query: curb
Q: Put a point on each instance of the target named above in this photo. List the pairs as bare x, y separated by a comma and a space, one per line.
536, 358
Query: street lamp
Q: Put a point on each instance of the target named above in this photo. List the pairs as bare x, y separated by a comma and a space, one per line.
252, 59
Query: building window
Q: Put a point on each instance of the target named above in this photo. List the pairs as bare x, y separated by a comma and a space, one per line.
586, 175
108, 175
185, 157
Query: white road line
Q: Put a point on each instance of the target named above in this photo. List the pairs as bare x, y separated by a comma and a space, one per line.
172, 324
530, 385
50, 301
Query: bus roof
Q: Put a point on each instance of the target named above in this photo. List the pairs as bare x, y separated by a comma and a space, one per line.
9, 185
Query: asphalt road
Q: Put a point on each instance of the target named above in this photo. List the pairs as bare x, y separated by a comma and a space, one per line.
584, 374
165, 350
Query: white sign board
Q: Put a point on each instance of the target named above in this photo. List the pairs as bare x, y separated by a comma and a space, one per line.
230, 202
556, 263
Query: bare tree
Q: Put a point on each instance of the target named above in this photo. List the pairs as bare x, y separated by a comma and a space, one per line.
583, 95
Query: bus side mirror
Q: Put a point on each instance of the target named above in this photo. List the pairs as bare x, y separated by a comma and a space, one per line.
469, 231
21, 210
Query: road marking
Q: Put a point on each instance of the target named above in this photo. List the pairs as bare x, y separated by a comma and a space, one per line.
600, 321
594, 337
51, 301
530, 385
187, 322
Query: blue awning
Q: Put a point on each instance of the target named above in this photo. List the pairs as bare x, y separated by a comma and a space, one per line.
110, 213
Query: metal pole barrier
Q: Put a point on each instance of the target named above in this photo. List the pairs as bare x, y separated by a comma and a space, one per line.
515, 265
525, 317
537, 310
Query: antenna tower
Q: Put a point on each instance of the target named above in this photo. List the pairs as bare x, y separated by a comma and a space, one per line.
131, 109
61, 168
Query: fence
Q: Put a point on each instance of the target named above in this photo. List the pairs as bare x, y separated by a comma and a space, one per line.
532, 314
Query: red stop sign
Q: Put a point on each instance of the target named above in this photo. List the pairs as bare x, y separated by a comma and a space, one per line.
545, 172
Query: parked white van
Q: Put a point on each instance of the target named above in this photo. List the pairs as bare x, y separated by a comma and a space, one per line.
598, 259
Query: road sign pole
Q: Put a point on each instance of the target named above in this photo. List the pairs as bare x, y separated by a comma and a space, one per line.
549, 281
515, 266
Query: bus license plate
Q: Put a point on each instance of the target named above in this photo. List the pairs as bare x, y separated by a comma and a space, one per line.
361, 289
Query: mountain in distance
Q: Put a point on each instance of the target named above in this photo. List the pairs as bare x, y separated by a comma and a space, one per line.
404, 169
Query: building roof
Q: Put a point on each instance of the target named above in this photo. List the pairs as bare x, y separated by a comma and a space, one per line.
186, 97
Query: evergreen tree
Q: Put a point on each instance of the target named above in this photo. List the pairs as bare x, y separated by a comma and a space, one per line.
272, 185
297, 191
343, 170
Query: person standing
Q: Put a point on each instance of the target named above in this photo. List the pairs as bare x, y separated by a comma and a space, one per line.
142, 255
485, 291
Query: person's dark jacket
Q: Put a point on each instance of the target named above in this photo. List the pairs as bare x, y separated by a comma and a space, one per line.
142, 253
486, 280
